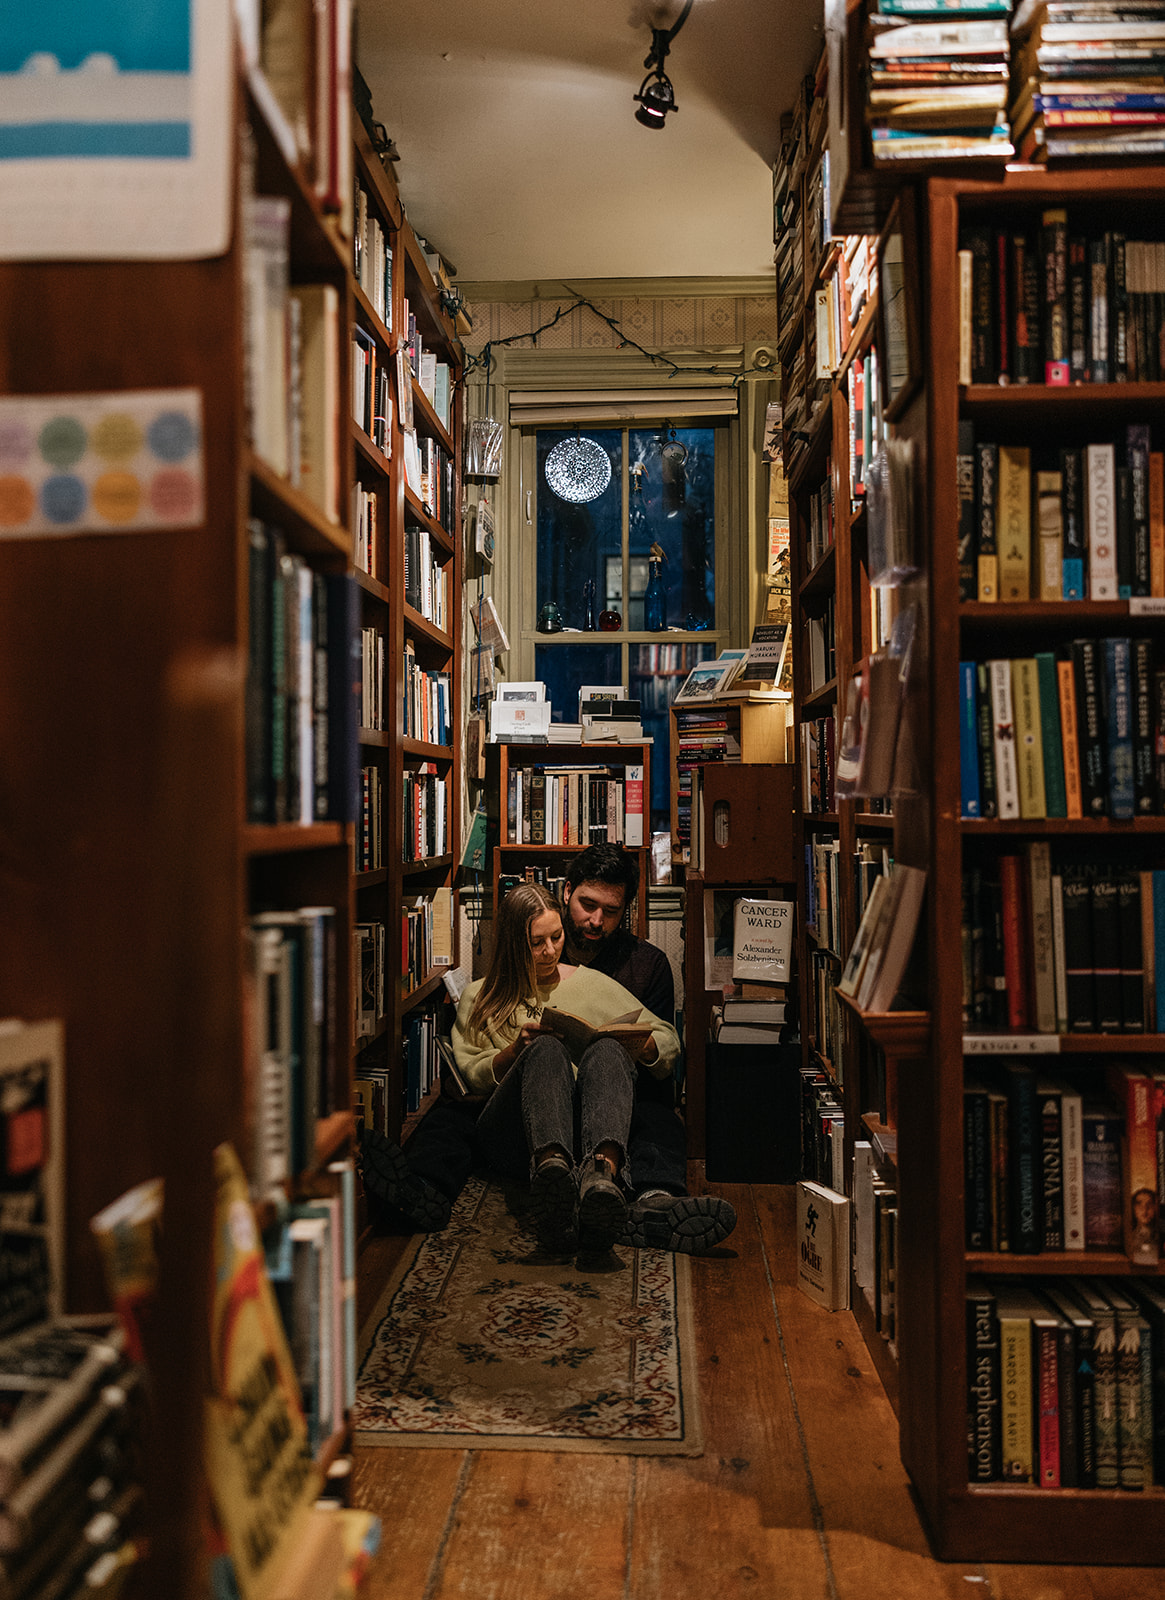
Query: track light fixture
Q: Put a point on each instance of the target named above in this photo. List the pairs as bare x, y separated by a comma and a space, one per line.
656, 96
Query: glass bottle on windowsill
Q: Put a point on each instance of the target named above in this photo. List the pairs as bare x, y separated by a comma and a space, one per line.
655, 596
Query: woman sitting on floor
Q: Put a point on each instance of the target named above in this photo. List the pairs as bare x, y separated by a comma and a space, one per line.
563, 1125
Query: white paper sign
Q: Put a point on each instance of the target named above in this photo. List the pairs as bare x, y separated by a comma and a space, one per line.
123, 462
116, 130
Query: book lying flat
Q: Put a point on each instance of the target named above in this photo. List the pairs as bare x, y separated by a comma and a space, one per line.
577, 1035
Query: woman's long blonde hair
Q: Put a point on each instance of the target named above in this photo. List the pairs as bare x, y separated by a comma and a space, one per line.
511, 980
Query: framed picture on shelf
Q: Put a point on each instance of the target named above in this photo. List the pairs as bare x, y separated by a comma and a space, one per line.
705, 680
900, 366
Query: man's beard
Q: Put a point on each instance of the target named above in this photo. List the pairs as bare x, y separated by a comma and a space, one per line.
585, 948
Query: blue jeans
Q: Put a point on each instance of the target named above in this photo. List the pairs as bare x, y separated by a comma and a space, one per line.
540, 1102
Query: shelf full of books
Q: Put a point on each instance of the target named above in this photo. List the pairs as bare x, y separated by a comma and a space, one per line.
406, 418
1046, 794
553, 801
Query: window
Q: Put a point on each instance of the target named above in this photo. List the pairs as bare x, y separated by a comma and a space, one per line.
604, 498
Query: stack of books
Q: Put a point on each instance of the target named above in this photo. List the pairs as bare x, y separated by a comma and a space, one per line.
938, 77
70, 1463
1088, 79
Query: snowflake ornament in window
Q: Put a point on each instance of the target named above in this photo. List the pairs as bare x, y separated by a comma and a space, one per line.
578, 470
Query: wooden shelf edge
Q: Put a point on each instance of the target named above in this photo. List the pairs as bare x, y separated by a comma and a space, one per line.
414, 1119
432, 982
274, 497
416, 507
1068, 1043
371, 452
429, 864
899, 1033
420, 624
373, 586
426, 752
424, 408
990, 395
279, 838
1062, 1263
374, 738
1058, 825
379, 329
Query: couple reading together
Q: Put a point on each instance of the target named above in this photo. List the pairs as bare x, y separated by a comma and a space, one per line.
569, 1038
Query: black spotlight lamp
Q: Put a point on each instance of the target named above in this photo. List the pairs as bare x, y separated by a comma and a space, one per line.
656, 96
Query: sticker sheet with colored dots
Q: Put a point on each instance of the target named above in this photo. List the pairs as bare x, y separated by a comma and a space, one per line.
124, 462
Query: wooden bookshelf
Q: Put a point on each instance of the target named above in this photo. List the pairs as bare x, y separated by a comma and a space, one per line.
757, 727
900, 1075
433, 641
510, 855
130, 864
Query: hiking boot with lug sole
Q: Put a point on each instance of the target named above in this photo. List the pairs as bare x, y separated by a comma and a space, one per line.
690, 1224
387, 1178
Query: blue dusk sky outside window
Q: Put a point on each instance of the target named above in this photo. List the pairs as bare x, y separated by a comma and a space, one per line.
665, 477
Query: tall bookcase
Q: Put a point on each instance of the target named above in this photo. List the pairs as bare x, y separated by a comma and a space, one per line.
1005, 1522
129, 865
899, 1076
412, 597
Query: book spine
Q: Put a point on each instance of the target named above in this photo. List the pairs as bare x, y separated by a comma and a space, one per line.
1144, 741
1157, 524
1075, 546
1049, 583
983, 1398
986, 482
1006, 773
1071, 1109
1015, 1387
1052, 1165
1045, 1340
988, 801
1026, 292
969, 740
1090, 727
1015, 949
1119, 313
977, 1165
1132, 972
1078, 283
1137, 456
1140, 1230
1103, 1210
967, 545
1069, 740
1054, 243
1118, 709
1124, 532
1098, 308
1025, 699
1080, 981
1105, 948
983, 327
1024, 1136
1067, 1405
1040, 904
1013, 522
1051, 740
1100, 521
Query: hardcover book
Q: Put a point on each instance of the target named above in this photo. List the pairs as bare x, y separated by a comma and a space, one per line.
823, 1245
762, 940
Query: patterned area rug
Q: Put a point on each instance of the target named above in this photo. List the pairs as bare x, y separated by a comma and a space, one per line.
481, 1337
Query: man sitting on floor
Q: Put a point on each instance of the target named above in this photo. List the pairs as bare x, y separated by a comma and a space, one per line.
422, 1185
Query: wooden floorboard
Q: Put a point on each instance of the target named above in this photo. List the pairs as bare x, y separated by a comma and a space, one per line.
799, 1494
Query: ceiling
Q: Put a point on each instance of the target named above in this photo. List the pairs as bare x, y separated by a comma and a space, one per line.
520, 156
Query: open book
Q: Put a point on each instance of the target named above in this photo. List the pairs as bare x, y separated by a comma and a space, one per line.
576, 1034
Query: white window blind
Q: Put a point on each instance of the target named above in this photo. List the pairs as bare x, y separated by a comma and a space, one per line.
548, 408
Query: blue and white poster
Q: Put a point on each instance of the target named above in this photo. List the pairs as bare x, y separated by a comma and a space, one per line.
116, 132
